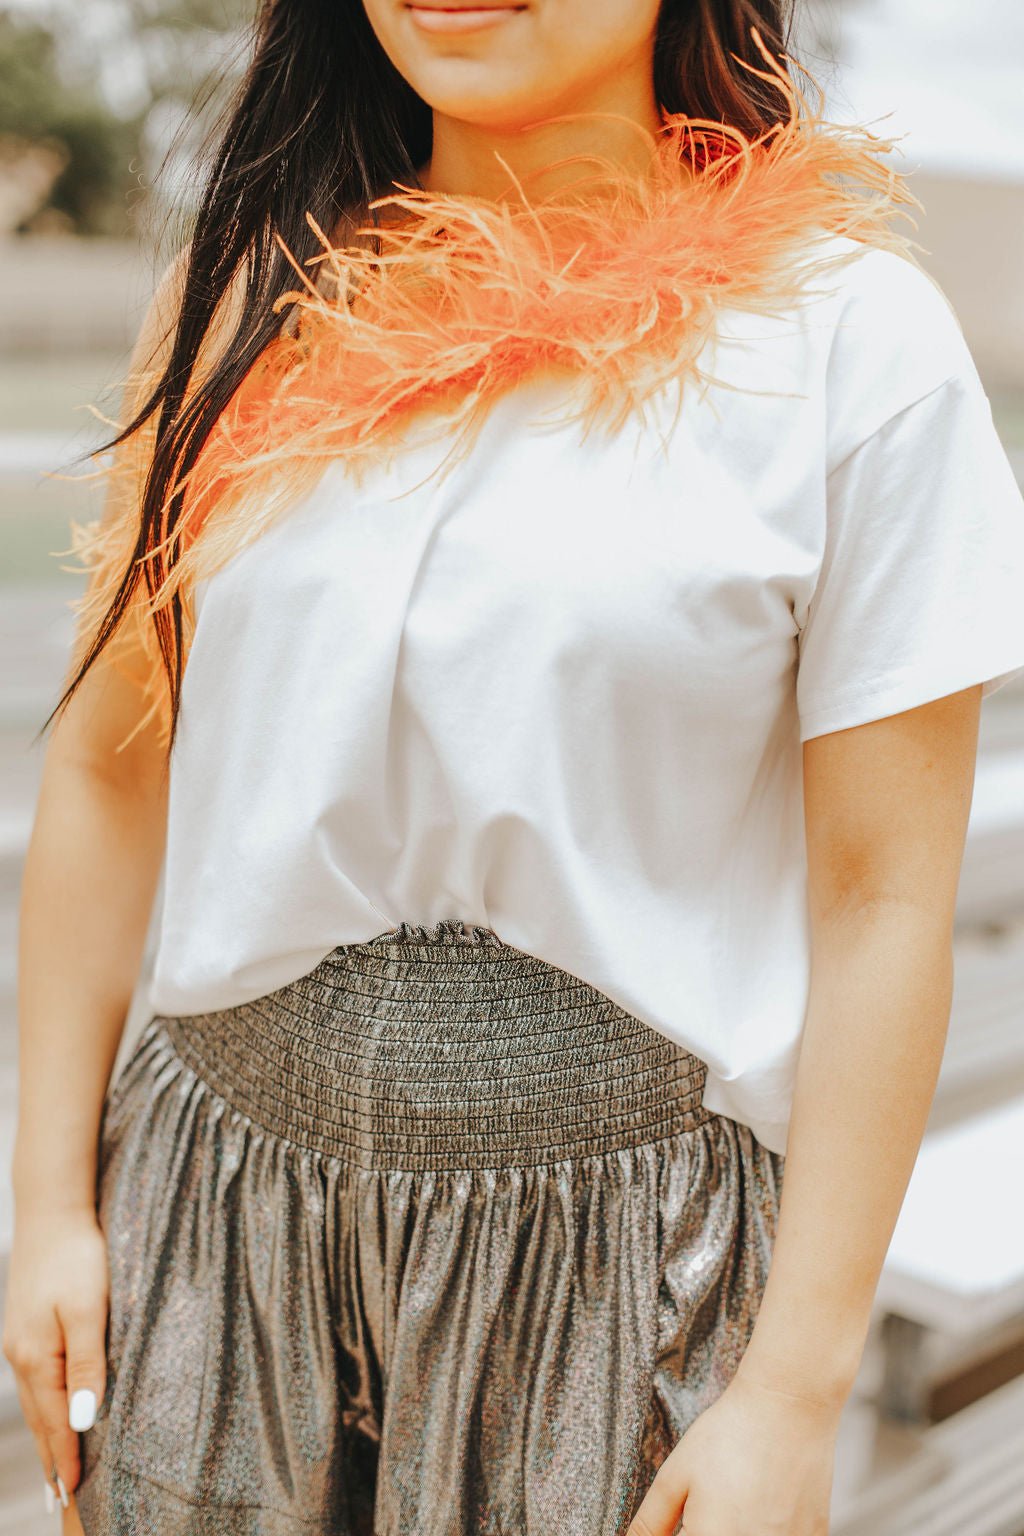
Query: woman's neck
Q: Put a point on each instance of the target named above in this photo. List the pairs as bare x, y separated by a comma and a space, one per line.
470, 160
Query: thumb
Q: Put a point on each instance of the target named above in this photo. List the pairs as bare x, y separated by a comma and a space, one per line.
660, 1511
85, 1365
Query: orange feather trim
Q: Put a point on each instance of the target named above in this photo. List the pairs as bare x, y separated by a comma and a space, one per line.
615, 281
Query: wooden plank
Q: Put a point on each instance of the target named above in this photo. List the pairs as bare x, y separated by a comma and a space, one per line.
956, 1260
977, 1488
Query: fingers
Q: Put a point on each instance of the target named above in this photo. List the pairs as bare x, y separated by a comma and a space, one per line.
54, 1335
46, 1383
660, 1512
61, 1381
39, 1372
85, 1369
71, 1524
33, 1418
71, 1407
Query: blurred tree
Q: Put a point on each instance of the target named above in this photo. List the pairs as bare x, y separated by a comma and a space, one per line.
113, 98
91, 150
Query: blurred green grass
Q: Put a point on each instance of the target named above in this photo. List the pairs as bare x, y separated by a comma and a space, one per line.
1008, 415
37, 524
49, 394
46, 394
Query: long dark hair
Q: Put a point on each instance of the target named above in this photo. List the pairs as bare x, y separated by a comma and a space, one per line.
322, 123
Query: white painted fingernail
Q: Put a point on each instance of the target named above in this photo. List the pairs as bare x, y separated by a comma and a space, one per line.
62, 1491
51, 1502
82, 1414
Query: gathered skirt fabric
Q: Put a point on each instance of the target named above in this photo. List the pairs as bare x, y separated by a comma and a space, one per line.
435, 1240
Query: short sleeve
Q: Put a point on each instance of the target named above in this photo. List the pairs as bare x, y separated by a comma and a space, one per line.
920, 591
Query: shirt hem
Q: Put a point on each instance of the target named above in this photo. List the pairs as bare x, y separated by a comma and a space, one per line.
720, 1099
908, 693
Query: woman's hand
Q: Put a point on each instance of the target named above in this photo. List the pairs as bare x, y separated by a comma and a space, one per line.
54, 1333
758, 1462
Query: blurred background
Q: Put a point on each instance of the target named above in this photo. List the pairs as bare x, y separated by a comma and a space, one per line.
97, 153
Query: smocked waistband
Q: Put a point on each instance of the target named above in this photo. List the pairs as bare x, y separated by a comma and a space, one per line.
443, 1047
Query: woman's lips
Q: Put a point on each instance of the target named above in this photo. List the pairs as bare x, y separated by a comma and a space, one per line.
461, 18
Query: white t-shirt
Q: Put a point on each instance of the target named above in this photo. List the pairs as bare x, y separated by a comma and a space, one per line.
562, 691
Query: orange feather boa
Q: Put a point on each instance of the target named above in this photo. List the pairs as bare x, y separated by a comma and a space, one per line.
615, 282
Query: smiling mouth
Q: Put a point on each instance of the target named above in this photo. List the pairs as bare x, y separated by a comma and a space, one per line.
461, 18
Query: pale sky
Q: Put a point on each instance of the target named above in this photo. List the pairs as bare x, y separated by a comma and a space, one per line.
950, 73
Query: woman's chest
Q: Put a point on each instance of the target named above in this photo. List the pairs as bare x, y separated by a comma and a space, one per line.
624, 549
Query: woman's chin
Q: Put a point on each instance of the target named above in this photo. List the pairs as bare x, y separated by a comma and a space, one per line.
480, 99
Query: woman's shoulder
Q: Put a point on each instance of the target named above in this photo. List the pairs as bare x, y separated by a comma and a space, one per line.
888, 291
894, 336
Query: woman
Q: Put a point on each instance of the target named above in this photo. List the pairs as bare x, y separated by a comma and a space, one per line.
567, 801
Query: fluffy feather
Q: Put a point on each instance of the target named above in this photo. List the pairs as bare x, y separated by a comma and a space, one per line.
615, 280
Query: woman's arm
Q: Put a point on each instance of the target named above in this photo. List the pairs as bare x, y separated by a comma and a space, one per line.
90, 875
887, 806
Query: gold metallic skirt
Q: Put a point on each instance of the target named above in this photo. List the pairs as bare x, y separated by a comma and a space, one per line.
436, 1239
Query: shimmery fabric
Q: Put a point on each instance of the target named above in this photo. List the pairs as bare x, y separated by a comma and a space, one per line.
436, 1239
